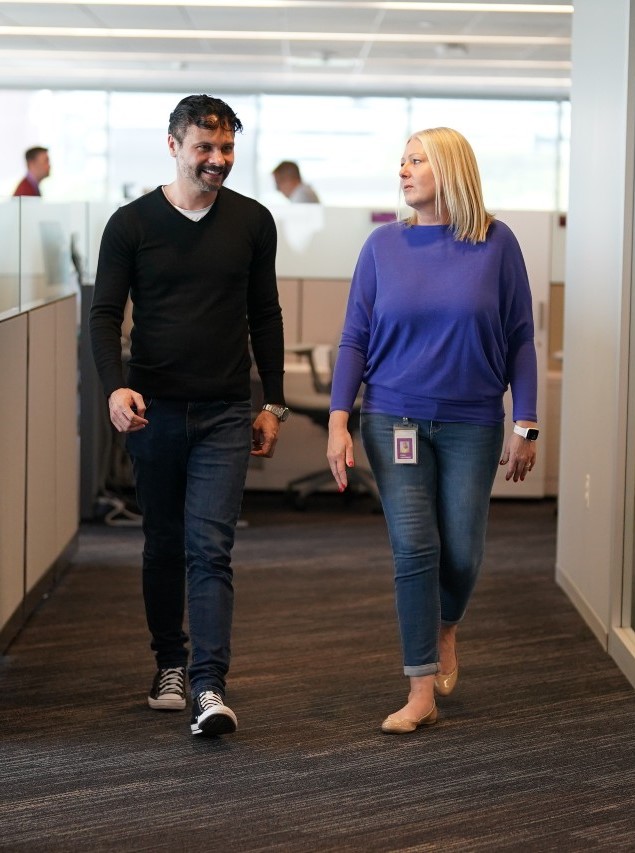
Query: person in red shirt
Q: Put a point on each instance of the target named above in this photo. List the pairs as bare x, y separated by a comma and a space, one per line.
38, 167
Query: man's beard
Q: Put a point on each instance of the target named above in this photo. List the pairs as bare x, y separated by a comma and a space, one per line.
195, 175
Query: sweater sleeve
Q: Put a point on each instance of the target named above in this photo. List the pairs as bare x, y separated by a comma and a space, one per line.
524, 382
112, 286
353, 350
522, 369
265, 316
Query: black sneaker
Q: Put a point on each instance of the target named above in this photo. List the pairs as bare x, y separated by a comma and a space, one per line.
210, 716
168, 690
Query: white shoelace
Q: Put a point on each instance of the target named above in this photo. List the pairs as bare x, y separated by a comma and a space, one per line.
208, 699
171, 681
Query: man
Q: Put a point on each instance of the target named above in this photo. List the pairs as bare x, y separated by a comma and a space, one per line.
289, 182
198, 261
38, 167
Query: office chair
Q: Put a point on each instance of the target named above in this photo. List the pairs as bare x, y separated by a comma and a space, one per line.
315, 405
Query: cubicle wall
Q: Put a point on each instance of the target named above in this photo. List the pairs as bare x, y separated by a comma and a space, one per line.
39, 442
38, 455
13, 432
52, 470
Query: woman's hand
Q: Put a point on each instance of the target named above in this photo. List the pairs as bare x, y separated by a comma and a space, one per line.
340, 448
519, 455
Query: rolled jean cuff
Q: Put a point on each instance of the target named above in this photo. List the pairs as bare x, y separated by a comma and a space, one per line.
424, 669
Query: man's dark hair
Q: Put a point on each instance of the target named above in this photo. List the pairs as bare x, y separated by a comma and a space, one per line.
34, 152
202, 111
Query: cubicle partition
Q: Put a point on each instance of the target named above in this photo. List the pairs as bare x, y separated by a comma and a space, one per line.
39, 441
13, 431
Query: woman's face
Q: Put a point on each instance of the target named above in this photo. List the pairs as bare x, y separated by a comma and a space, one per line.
417, 181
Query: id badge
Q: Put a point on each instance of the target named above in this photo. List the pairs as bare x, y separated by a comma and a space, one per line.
405, 443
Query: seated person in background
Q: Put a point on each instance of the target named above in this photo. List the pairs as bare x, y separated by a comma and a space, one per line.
289, 183
38, 167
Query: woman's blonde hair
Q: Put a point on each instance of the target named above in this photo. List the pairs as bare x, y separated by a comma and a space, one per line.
457, 180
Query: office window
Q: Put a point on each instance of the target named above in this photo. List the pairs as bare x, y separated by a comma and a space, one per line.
348, 149
109, 147
72, 125
517, 145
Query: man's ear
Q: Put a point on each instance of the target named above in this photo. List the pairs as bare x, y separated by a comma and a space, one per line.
172, 145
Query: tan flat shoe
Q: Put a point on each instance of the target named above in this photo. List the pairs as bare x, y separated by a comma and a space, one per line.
396, 725
445, 684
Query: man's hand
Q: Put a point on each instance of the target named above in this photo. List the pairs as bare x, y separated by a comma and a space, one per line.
127, 410
265, 434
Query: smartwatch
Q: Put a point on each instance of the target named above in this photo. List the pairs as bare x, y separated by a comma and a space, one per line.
281, 412
530, 433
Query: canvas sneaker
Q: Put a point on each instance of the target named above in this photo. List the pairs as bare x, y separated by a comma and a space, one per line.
210, 715
168, 689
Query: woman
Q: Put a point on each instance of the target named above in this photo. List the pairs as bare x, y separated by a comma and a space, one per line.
438, 324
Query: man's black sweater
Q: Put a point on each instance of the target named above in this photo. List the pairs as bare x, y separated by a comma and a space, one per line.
199, 290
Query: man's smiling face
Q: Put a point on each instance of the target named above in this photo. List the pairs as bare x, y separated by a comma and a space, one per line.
205, 157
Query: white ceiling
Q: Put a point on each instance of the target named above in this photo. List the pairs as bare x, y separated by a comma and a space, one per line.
353, 47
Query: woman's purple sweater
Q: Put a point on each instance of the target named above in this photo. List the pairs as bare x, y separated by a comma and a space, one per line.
438, 328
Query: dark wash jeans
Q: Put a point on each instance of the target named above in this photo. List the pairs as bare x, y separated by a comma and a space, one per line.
436, 512
190, 464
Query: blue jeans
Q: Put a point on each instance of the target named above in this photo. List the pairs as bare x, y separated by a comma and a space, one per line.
190, 464
436, 512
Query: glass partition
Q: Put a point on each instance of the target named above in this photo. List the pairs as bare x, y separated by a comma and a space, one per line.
98, 214
44, 250
9, 257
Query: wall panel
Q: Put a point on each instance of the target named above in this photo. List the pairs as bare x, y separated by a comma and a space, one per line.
66, 424
41, 492
13, 377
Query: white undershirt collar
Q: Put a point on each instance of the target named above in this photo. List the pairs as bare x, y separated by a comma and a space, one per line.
194, 215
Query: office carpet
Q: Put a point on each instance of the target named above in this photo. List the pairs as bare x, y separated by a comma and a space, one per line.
535, 751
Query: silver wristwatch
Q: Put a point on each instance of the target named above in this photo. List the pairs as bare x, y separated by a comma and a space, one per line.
281, 412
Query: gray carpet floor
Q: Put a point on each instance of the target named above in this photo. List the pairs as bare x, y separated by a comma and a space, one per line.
535, 750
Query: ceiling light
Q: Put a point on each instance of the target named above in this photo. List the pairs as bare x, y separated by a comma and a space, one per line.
22, 57
259, 35
384, 5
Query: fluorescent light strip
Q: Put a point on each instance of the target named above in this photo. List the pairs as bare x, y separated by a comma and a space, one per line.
249, 35
385, 5
376, 82
26, 57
